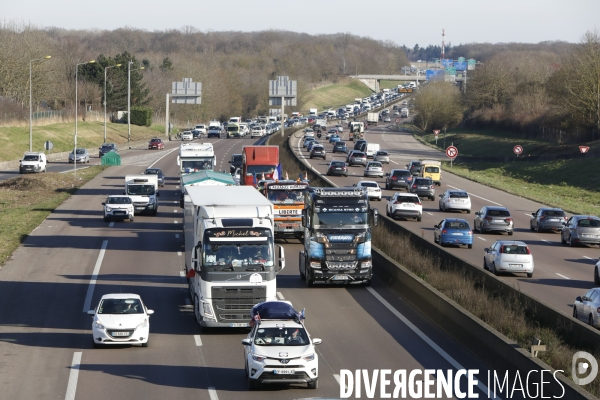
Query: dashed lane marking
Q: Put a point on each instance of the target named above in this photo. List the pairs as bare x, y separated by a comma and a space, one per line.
280, 296
562, 276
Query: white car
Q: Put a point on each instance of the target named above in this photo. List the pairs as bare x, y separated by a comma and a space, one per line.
120, 318
279, 350
405, 205
453, 199
187, 135
508, 256
373, 189
257, 132
374, 168
118, 207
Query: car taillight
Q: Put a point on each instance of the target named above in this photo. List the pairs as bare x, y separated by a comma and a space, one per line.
543, 217
488, 218
394, 178
508, 219
470, 233
432, 186
528, 251
444, 231
409, 178
414, 186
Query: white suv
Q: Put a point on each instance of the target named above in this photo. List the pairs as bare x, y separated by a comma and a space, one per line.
278, 349
407, 205
118, 207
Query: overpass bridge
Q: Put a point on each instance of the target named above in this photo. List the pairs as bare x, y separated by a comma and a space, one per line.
372, 81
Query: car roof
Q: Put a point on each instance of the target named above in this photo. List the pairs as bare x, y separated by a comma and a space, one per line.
517, 242
121, 296
407, 194
368, 182
456, 220
496, 208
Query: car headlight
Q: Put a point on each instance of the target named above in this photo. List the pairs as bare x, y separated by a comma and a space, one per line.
98, 325
257, 357
144, 324
309, 357
152, 200
108, 209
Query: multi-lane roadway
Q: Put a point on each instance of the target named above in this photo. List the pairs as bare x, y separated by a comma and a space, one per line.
561, 272
73, 257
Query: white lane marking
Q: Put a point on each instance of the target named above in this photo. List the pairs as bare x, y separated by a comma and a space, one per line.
423, 336
177, 236
562, 276
73, 376
111, 224
478, 237
87, 304
529, 215
479, 197
394, 162
179, 253
163, 156
175, 211
280, 296
174, 222
547, 241
429, 213
182, 274
212, 393
198, 340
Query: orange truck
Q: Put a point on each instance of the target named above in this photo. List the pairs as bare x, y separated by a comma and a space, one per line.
287, 197
259, 162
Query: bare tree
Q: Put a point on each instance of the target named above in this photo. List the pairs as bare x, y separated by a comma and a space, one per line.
438, 105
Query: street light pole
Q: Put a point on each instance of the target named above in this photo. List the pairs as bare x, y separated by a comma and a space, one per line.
77, 106
105, 68
31, 102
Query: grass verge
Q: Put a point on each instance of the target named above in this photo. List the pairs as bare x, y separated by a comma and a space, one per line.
572, 185
506, 315
27, 200
334, 95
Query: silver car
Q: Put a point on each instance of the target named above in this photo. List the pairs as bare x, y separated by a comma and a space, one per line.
581, 229
547, 219
455, 200
509, 256
495, 219
586, 307
374, 168
382, 157
81, 156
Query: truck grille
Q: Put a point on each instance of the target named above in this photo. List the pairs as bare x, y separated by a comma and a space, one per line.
341, 252
139, 204
234, 303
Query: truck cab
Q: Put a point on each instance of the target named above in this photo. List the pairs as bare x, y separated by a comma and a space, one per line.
143, 191
259, 162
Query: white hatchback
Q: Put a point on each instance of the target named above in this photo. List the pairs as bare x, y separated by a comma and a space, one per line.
453, 199
187, 135
373, 189
508, 256
120, 318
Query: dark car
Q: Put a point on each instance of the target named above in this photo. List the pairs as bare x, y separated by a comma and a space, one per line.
398, 178
158, 172
423, 187
156, 143
359, 143
340, 147
337, 167
107, 148
547, 219
236, 162
495, 219
357, 158
414, 167
318, 151
581, 229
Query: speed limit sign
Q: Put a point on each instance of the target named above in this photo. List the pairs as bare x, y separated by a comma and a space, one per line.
452, 152
518, 149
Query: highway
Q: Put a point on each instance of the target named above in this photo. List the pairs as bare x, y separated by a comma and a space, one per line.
73, 257
561, 273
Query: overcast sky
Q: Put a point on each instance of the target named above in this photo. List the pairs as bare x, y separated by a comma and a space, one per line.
401, 21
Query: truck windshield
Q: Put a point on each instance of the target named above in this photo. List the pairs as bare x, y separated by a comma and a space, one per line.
286, 196
140, 189
30, 158
259, 169
197, 164
241, 255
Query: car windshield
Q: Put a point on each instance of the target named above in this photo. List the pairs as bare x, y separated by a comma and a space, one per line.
358, 155
120, 306
458, 195
498, 213
281, 336
107, 148
422, 182
337, 163
401, 173
433, 170
382, 153
554, 213
140, 189
513, 249
30, 158
376, 165
237, 158
588, 223
80, 151
407, 199
369, 184
456, 225
119, 200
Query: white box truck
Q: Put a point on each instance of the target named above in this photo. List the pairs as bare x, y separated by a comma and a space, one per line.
230, 255
372, 118
194, 157
143, 191
312, 112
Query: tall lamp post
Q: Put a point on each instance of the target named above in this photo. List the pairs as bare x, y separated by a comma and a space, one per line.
31, 102
129, 99
105, 69
76, 107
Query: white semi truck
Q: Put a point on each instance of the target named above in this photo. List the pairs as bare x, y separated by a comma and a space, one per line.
143, 191
230, 255
194, 157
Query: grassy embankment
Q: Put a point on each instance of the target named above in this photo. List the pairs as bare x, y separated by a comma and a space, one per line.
15, 140
336, 95
572, 185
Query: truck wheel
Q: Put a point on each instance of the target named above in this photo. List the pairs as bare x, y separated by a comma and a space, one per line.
307, 280
197, 310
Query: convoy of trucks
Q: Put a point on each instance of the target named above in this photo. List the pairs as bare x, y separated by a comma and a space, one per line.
194, 157
143, 191
288, 199
230, 254
259, 162
337, 236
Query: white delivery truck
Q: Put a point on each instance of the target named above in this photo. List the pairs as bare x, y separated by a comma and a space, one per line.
312, 112
143, 191
372, 118
32, 162
371, 149
404, 113
194, 157
230, 254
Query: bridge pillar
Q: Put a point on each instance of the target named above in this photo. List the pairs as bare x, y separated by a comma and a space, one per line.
372, 84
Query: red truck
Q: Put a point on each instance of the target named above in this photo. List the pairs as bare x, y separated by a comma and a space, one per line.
258, 161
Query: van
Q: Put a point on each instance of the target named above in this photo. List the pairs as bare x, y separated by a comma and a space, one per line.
32, 162
371, 149
432, 169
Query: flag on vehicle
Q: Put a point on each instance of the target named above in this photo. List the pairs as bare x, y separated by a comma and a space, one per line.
277, 172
